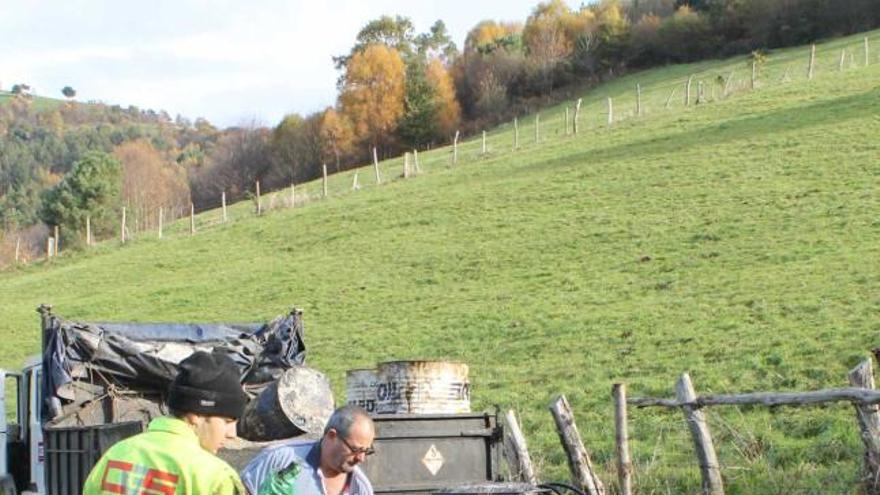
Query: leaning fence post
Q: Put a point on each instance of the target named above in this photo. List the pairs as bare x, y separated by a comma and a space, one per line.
669, 98
869, 427
696, 420
376, 165
578, 458
624, 463
812, 62
354, 182
516, 451
577, 114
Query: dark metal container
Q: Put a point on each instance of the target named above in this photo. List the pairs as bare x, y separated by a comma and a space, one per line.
71, 453
421, 454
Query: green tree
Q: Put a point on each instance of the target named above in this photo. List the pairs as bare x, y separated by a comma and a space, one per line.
93, 189
419, 125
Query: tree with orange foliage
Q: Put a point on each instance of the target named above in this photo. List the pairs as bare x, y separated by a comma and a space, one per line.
150, 181
448, 111
489, 35
336, 134
372, 95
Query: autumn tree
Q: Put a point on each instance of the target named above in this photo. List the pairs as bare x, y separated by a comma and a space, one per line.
337, 136
149, 181
447, 108
372, 97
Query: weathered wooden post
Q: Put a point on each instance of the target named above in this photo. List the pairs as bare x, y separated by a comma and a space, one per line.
812, 62
57, 241
259, 200
577, 115
687, 93
406, 165
223, 205
50, 246
416, 161
669, 98
578, 458
700, 92
565, 122
376, 165
869, 427
515, 133
754, 73
842, 60
17, 249
624, 463
160, 221
484, 143
192, 219
610, 112
516, 451
88, 230
122, 227
537, 128
455, 149
324, 180
638, 100
696, 420
354, 182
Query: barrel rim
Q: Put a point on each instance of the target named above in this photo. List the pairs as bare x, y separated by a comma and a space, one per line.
430, 361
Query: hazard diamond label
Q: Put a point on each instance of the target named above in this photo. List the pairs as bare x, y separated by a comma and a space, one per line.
433, 460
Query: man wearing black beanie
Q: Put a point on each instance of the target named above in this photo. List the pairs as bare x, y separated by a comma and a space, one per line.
176, 455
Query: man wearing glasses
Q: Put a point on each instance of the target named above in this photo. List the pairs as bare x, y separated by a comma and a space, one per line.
328, 466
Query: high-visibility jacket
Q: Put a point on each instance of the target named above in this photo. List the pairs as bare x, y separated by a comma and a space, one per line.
164, 460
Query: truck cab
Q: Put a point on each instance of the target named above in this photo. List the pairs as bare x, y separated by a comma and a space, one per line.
21, 433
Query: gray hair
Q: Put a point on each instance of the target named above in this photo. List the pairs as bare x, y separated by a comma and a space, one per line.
343, 418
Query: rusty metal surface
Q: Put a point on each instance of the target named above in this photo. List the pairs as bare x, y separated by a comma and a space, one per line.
422, 387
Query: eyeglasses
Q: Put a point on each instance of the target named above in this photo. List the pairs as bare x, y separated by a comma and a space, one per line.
359, 450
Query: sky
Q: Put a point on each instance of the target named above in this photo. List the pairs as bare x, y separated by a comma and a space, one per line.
232, 62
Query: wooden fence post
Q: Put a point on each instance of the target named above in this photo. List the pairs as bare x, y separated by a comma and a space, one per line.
577, 114
17, 249
610, 111
160, 221
516, 451
754, 73
416, 161
727, 84
88, 230
578, 458
515, 133
376, 165
869, 427
638, 100
700, 92
223, 202
122, 228
484, 143
192, 218
669, 98
812, 62
624, 463
57, 242
324, 179
537, 128
49, 246
565, 122
455, 149
687, 93
292, 195
354, 182
842, 60
259, 200
406, 165
696, 420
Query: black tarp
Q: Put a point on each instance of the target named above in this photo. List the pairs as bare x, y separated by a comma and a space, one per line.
140, 359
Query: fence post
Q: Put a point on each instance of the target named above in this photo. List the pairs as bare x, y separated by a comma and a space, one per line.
160, 221
484, 143
515, 134
869, 427
842, 60
537, 128
687, 93
324, 179
565, 122
624, 463
49, 246
354, 182
17, 249
376, 165
578, 458
192, 219
638, 100
259, 199
577, 114
455, 148
610, 112
669, 98
88, 230
56, 243
754, 73
223, 202
516, 451
812, 62
122, 228
696, 420
292, 195
700, 93
416, 161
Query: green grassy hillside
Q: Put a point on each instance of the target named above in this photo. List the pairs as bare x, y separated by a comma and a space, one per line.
738, 239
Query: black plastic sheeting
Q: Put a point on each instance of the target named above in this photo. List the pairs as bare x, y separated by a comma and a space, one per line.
143, 357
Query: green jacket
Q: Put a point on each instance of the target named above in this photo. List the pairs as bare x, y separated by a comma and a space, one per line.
165, 460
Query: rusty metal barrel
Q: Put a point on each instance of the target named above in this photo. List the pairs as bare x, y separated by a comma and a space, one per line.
422, 387
360, 388
299, 403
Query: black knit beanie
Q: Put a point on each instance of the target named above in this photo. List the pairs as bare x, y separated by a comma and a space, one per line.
207, 383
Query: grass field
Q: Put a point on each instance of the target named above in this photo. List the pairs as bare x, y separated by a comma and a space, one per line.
738, 240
